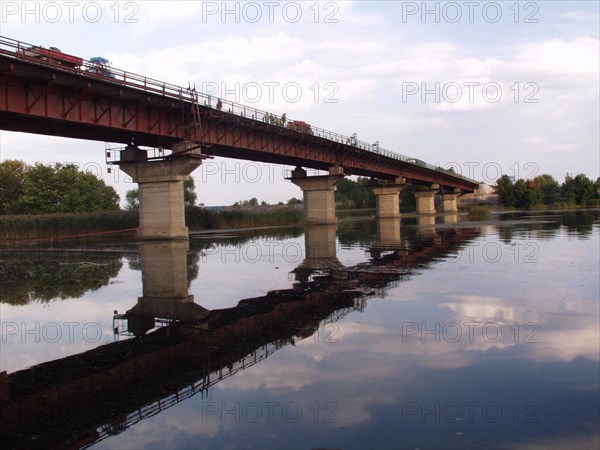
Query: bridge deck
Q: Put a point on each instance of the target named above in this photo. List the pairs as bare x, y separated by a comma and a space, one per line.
43, 96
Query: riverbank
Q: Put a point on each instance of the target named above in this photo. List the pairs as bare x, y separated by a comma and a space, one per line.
122, 225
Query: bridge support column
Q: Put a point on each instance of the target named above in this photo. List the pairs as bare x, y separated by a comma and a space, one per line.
318, 192
425, 199
449, 202
162, 212
388, 199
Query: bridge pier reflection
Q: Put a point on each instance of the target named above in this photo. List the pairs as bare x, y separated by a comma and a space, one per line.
426, 222
165, 283
388, 237
426, 226
318, 193
321, 252
449, 218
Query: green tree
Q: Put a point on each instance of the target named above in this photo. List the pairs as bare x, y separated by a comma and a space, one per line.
549, 187
252, 202
132, 197
64, 189
355, 193
12, 181
567, 190
408, 201
525, 196
584, 190
189, 192
506, 191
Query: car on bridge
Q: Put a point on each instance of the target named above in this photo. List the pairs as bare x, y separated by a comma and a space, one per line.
52, 55
416, 161
100, 66
298, 125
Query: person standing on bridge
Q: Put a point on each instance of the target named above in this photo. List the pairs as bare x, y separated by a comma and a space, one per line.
283, 120
219, 104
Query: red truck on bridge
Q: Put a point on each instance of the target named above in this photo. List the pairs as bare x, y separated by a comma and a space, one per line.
53, 54
298, 125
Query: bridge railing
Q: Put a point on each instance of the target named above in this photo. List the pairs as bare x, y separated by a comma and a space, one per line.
20, 50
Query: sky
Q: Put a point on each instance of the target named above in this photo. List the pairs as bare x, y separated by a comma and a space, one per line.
488, 88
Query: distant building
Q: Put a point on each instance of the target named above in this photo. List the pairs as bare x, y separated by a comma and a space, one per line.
483, 194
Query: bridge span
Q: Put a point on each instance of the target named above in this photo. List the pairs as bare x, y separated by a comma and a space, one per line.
41, 94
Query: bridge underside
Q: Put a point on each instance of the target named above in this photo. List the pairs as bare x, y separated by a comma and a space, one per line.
50, 100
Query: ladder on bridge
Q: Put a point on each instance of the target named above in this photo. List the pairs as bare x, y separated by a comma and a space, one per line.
194, 132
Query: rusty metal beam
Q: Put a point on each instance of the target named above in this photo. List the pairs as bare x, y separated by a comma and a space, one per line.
39, 100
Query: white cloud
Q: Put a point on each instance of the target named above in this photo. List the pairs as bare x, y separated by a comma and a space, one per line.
558, 57
581, 16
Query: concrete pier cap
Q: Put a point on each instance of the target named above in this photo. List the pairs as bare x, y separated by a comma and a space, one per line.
162, 211
318, 194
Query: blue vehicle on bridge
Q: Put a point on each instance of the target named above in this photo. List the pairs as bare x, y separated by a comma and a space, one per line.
101, 66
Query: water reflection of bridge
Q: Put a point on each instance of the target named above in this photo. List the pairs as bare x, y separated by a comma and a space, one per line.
81, 399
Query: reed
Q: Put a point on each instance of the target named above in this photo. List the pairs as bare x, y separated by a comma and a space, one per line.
29, 228
41, 226
479, 213
203, 219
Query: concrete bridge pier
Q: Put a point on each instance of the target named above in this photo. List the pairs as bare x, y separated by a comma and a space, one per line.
162, 212
318, 192
425, 199
449, 204
388, 198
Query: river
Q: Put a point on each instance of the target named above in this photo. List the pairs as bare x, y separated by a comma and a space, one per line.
365, 335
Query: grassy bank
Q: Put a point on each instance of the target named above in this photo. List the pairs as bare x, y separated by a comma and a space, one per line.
198, 219
55, 226
41, 226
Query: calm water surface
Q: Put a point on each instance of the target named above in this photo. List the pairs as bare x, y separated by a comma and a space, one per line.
371, 335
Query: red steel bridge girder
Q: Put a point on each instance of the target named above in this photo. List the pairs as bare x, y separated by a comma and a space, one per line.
52, 101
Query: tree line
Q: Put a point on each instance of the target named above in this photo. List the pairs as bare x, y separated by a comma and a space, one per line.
545, 190
63, 188
46, 189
